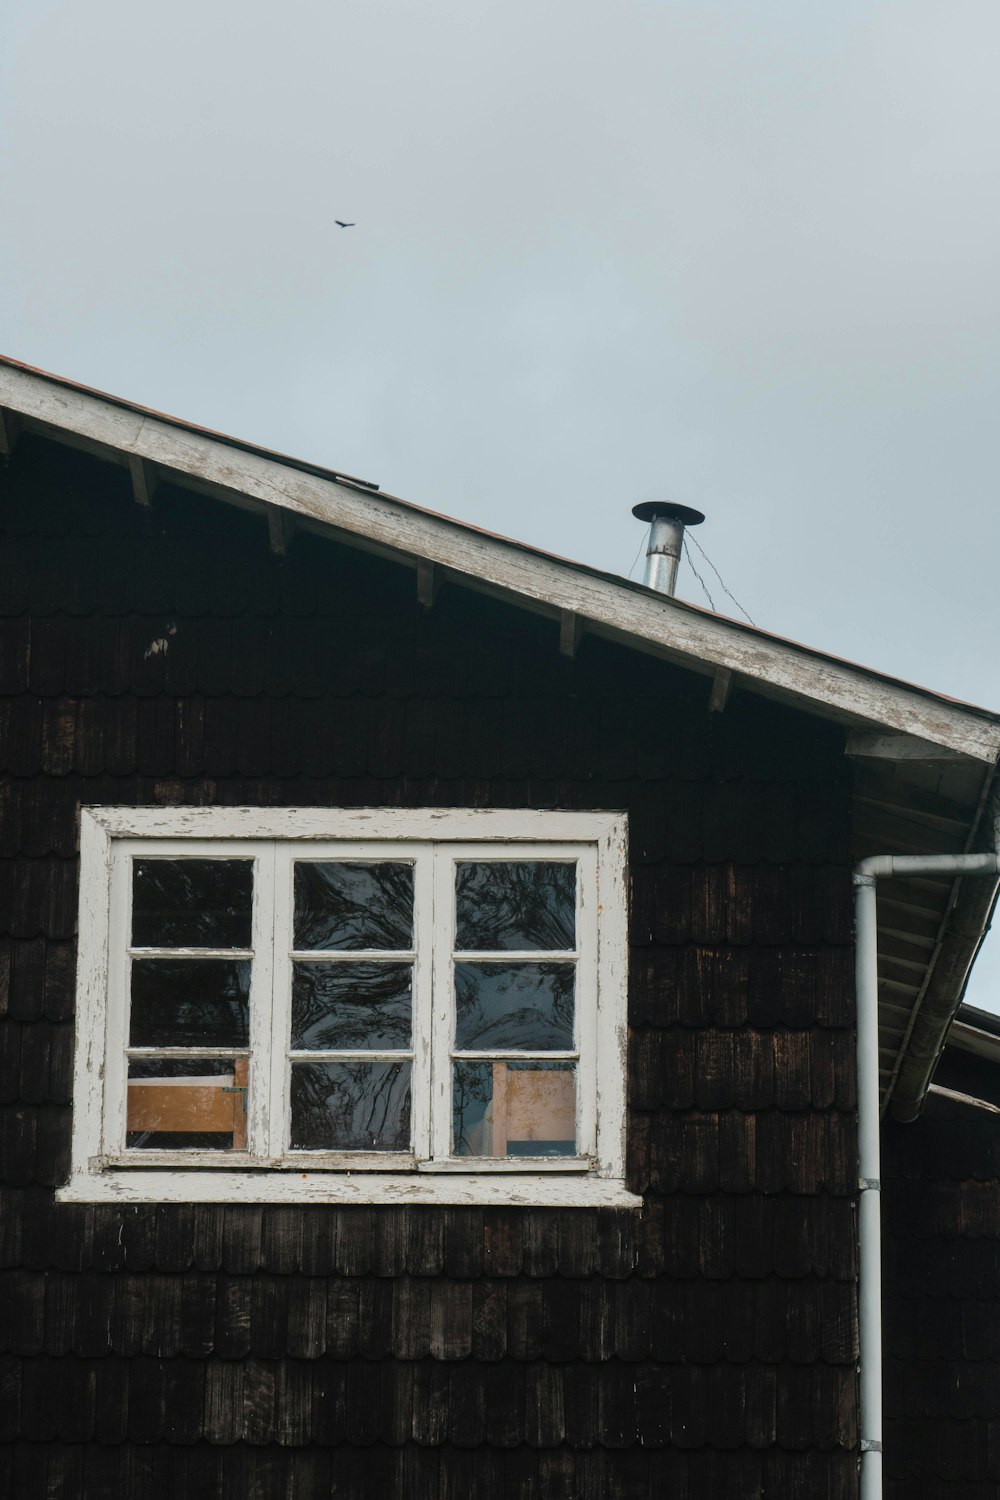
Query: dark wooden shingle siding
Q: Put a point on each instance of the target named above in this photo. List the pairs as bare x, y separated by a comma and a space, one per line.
702, 1348
941, 1206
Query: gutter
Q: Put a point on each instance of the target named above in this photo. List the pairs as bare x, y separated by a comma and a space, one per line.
868, 871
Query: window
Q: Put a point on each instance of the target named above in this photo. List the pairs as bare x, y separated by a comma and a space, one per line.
350, 1006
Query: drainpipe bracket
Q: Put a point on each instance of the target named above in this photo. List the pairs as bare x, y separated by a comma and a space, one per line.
869, 1445
870, 1184
857, 880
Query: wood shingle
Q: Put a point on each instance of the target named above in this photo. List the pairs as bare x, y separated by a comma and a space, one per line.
704, 1346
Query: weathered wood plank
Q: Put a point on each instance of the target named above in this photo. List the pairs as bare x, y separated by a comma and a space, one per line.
721, 684
897, 747
9, 429
142, 482
280, 529
544, 1190
570, 632
524, 825
428, 583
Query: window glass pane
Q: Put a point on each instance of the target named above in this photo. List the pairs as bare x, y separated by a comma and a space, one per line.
353, 906
345, 1005
351, 1106
177, 1104
503, 905
191, 903
500, 1007
190, 1002
514, 1109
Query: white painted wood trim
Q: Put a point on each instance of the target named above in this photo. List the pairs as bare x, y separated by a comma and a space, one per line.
587, 1004
546, 1190
261, 1117
91, 993
227, 1163
515, 1165
422, 1074
595, 841
641, 618
612, 989
118, 1009
280, 1016
364, 824
234, 955
443, 1012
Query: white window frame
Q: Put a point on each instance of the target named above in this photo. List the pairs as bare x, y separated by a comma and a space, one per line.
102, 1171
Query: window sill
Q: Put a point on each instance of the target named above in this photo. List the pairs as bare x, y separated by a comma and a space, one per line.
358, 1164
544, 1190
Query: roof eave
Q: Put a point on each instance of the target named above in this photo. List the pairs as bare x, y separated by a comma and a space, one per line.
605, 604
965, 923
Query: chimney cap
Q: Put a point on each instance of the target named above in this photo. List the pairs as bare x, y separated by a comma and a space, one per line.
648, 510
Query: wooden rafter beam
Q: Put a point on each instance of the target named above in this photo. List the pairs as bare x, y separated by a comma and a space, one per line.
428, 583
9, 432
897, 748
143, 482
570, 632
280, 530
722, 681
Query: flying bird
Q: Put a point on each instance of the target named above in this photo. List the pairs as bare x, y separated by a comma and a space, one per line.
342, 225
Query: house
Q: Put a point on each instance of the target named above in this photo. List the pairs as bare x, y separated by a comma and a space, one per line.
429, 1026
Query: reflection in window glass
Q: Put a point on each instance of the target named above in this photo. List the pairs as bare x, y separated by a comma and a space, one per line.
523, 1006
186, 1105
353, 906
190, 1002
192, 903
351, 1106
514, 1109
342, 1006
505, 905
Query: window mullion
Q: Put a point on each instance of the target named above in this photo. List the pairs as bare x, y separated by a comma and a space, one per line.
275, 1079
443, 928
423, 995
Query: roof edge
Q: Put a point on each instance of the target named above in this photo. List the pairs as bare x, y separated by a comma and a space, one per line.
608, 604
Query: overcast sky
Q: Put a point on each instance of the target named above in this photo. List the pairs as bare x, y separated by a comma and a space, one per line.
741, 253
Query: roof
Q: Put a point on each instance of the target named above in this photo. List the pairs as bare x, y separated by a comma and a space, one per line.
603, 602
925, 763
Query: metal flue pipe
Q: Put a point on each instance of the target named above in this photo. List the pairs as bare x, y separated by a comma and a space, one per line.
666, 540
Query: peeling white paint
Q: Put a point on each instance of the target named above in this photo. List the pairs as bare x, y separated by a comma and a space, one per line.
159, 646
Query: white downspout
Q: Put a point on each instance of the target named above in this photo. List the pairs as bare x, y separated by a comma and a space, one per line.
869, 1206
879, 866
